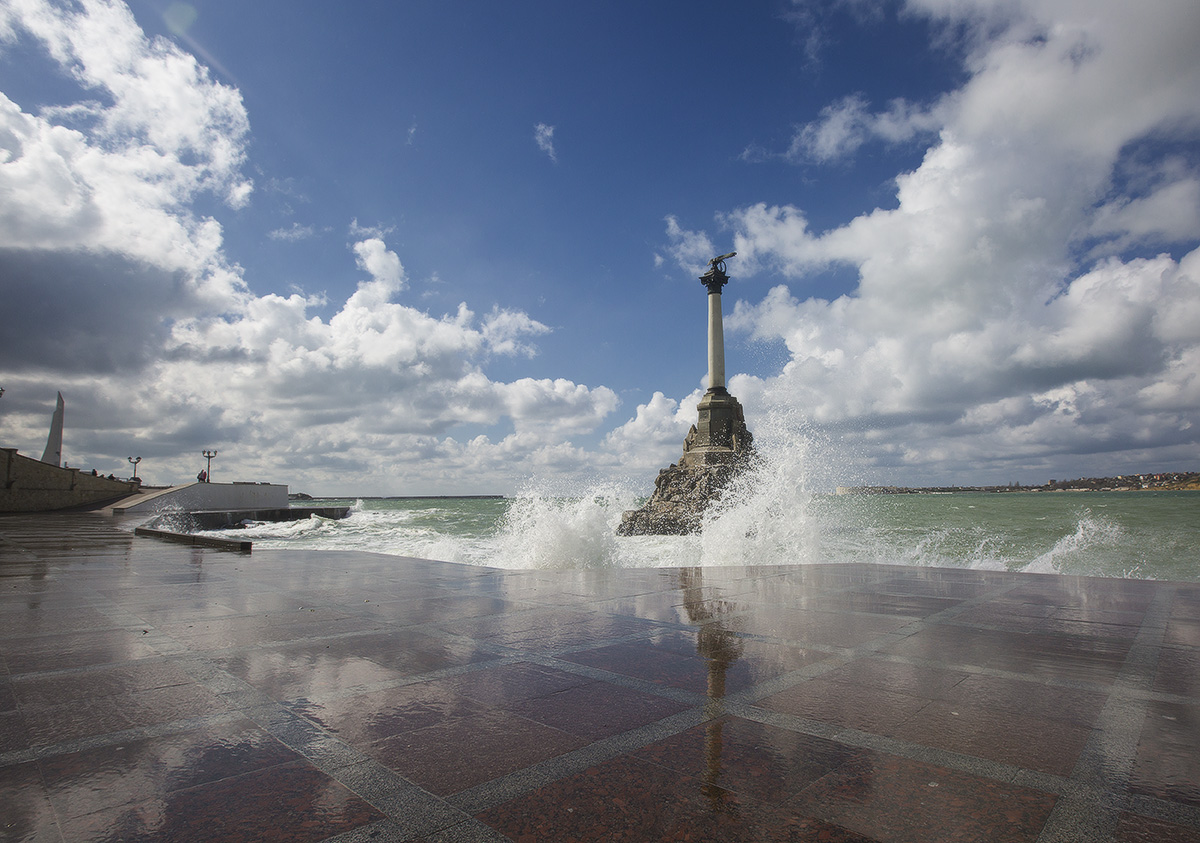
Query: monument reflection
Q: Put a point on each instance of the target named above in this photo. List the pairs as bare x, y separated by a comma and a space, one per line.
720, 647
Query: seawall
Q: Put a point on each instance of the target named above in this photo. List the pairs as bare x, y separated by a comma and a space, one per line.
29, 485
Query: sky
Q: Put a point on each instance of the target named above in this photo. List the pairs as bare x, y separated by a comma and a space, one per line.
427, 247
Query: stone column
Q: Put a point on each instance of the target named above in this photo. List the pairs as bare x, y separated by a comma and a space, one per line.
714, 280
716, 343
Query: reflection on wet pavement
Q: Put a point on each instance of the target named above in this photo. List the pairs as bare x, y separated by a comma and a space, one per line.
156, 692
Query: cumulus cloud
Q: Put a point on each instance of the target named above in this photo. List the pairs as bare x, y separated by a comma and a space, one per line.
130, 307
1028, 292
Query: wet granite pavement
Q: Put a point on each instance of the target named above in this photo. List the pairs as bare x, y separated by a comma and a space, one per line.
151, 691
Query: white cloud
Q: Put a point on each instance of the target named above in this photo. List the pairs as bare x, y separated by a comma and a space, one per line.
691, 250
543, 135
159, 343
846, 125
998, 310
291, 235
654, 436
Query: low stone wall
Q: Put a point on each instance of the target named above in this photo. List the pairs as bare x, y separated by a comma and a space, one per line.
29, 485
200, 497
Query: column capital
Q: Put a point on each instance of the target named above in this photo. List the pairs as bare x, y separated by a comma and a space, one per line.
714, 280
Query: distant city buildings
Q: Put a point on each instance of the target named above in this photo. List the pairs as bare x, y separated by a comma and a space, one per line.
1167, 482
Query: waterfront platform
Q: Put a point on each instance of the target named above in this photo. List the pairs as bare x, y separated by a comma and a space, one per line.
152, 691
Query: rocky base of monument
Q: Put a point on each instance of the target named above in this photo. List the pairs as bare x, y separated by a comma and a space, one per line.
681, 495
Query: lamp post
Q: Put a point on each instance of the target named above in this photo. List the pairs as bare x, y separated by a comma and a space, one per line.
208, 455
134, 461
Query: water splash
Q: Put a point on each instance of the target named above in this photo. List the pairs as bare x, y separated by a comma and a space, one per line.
765, 517
545, 529
1083, 551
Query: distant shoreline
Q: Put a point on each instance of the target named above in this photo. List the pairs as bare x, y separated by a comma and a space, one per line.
1173, 481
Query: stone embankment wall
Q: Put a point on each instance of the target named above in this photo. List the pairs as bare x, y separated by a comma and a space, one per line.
29, 485
200, 497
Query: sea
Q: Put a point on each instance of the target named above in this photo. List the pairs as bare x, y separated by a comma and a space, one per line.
775, 515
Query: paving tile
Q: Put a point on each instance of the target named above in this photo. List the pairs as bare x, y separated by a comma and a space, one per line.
545, 630
26, 813
39, 690
503, 684
1132, 828
311, 668
598, 710
1187, 602
1052, 656
1007, 614
457, 754
754, 760
627, 799
710, 661
362, 719
242, 631
844, 704
13, 734
1168, 756
898, 800
63, 723
1183, 632
665, 667
24, 622
412, 653
912, 605
81, 783
930, 583
288, 803
1034, 699
165, 705
1178, 672
420, 610
73, 650
899, 677
1023, 740
286, 674
825, 628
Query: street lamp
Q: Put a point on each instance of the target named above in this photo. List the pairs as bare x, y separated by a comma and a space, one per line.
208, 455
134, 461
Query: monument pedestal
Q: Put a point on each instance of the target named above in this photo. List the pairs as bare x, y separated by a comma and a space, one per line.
717, 447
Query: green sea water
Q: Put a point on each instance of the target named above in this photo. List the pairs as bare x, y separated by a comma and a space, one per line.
1116, 534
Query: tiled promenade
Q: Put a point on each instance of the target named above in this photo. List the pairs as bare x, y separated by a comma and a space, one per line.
150, 691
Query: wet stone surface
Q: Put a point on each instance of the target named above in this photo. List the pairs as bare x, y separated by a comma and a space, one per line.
152, 692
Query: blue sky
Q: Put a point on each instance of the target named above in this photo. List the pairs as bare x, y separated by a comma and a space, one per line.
427, 247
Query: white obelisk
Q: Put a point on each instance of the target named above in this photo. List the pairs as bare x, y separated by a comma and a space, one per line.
53, 452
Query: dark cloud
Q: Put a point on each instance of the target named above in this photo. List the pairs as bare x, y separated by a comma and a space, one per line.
81, 313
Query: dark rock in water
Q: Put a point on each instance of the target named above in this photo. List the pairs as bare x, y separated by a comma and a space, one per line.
712, 456
681, 495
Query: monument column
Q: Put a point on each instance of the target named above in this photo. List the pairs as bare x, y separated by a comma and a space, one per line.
714, 280
716, 342
717, 448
